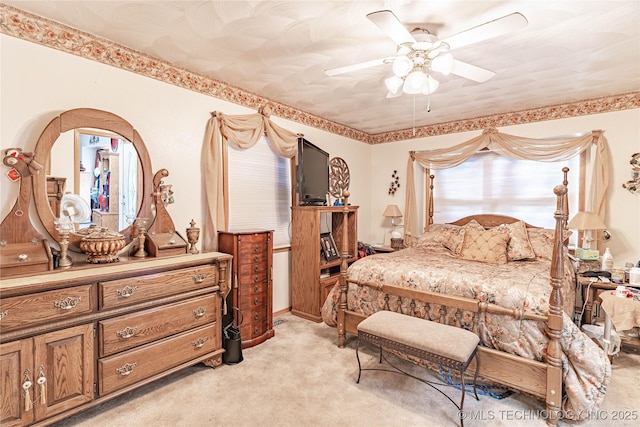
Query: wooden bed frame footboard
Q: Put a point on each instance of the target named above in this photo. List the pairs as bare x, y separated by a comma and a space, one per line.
542, 380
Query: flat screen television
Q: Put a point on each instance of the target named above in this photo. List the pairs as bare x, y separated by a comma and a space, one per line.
312, 174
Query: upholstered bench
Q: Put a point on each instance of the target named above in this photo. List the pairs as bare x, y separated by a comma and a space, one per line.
445, 345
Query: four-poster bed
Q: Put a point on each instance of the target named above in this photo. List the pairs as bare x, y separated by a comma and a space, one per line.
539, 351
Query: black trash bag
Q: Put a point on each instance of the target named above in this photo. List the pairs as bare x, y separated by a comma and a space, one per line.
231, 342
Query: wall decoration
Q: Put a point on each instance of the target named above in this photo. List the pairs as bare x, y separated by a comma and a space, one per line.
339, 178
634, 184
395, 183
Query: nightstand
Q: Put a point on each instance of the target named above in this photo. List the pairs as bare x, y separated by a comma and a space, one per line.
591, 288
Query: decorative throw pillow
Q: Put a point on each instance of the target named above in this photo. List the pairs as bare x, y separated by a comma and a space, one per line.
542, 242
488, 246
454, 244
519, 246
437, 235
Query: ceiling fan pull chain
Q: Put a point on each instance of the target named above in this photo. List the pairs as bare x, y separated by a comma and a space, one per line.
414, 115
428, 103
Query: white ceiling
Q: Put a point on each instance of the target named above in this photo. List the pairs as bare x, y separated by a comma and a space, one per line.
570, 51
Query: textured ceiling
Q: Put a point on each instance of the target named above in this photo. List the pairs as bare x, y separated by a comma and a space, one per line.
570, 51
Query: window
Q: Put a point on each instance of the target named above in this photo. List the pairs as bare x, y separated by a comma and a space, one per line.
260, 191
490, 183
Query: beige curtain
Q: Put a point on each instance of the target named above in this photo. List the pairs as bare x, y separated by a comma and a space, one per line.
244, 131
517, 147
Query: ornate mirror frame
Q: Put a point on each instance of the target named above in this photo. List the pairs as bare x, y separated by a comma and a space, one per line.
87, 118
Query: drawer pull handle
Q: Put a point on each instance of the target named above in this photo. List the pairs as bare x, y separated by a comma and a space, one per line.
41, 380
255, 331
200, 311
256, 268
126, 369
127, 291
127, 332
255, 316
255, 258
4, 314
199, 278
255, 301
255, 278
199, 343
67, 304
255, 288
256, 248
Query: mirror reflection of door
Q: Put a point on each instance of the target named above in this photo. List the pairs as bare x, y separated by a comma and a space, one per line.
105, 174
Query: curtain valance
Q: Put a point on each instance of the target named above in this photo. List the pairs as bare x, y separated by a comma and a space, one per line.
517, 147
244, 131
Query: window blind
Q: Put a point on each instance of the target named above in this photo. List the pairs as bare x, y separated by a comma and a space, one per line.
490, 183
260, 191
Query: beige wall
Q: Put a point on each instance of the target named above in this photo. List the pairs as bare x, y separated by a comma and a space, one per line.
38, 83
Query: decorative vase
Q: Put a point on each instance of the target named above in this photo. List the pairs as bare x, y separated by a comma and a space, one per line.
193, 234
102, 246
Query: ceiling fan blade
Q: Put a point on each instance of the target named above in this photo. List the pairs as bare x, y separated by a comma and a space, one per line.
487, 30
391, 25
471, 72
356, 67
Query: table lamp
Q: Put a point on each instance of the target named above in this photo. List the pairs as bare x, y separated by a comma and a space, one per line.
586, 222
393, 212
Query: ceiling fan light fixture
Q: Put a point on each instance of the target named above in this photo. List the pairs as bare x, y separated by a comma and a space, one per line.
442, 63
393, 84
431, 86
415, 82
402, 65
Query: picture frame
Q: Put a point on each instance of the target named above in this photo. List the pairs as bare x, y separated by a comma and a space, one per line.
328, 248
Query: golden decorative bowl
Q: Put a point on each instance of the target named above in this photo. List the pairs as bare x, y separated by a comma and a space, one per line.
102, 246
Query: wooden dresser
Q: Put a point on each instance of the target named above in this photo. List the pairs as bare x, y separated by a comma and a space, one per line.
70, 340
252, 291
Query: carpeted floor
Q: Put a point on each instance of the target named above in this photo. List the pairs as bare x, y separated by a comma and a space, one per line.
300, 377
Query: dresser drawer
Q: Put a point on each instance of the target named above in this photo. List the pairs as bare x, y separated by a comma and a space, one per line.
252, 273
45, 307
124, 369
121, 292
125, 332
252, 301
253, 330
253, 288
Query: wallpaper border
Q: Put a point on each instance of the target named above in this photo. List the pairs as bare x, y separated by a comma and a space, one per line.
23, 25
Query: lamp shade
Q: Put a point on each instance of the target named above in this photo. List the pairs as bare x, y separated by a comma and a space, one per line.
586, 221
392, 211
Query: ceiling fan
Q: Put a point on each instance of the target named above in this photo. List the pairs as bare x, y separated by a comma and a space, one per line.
421, 53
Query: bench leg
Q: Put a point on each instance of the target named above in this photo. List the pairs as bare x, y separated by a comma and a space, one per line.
358, 357
463, 388
475, 376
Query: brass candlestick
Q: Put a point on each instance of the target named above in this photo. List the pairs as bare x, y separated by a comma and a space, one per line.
141, 223
193, 234
64, 226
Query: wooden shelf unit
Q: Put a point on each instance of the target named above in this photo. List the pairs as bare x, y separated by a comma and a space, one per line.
308, 289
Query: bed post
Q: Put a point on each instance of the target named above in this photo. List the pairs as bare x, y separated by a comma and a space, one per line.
554, 322
342, 280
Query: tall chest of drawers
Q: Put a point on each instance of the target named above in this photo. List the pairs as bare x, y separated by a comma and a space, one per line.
252, 283
70, 340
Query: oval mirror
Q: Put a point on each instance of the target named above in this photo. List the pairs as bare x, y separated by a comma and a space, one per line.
101, 160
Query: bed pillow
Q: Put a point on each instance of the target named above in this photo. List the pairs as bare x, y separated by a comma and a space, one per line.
542, 242
454, 243
437, 235
488, 246
519, 246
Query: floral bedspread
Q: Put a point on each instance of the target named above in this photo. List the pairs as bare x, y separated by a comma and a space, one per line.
523, 284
